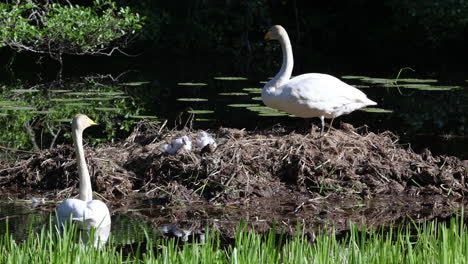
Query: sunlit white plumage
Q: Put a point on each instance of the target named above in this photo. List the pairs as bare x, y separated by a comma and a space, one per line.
308, 95
183, 142
205, 139
91, 213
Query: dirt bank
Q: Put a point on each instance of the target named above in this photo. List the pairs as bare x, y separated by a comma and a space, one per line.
348, 174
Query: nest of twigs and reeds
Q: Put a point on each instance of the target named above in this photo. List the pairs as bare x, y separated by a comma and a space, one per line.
245, 165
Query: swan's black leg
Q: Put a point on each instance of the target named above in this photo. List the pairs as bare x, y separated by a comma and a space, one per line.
331, 122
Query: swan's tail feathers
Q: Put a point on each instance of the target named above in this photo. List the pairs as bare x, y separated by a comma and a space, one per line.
367, 101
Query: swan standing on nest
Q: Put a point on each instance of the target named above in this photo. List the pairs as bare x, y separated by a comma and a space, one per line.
308, 95
91, 213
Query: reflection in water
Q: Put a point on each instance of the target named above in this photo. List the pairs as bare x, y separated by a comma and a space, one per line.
21, 219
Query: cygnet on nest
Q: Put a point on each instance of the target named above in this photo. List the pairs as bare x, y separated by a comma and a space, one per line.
206, 141
183, 142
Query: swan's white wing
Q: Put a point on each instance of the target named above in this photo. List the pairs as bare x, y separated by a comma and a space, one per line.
315, 94
100, 215
94, 213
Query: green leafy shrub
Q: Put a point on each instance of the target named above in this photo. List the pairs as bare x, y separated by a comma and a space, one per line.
57, 29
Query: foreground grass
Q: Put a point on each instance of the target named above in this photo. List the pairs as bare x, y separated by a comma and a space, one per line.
431, 242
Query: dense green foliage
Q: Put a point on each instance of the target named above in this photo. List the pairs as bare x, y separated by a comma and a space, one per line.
57, 29
432, 242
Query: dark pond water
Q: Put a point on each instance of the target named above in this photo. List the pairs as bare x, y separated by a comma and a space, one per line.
424, 112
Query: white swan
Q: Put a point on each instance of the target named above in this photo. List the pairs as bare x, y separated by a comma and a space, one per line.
308, 95
89, 212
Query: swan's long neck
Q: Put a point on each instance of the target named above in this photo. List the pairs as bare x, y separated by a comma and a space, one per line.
288, 62
86, 193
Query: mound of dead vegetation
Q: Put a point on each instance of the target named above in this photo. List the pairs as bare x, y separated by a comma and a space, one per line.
244, 166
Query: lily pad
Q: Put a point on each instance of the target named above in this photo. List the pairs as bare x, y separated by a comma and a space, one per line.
230, 78
376, 110
233, 94
242, 105
192, 99
192, 84
204, 119
353, 77
134, 83
378, 80
411, 80
201, 112
437, 88
253, 90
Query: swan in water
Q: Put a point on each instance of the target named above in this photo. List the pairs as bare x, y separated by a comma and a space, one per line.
308, 95
90, 213
183, 142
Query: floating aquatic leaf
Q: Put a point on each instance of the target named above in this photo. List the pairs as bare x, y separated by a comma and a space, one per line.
21, 91
192, 99
204, 119
266, 111
272, 114
353, 77
378, 80
200, 112
233, 94
376, 110
230, 78
253, 90
191, 84
414, 86
435, 88
242, 105
134, 83
410, 80
361, 86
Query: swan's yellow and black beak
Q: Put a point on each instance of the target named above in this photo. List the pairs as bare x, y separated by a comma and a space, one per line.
92, 123
267, 36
